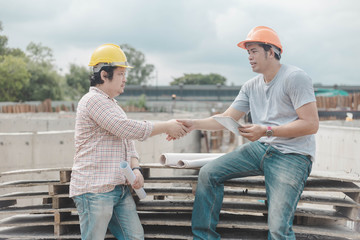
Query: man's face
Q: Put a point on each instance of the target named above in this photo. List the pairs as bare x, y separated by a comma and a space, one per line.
258, 57
119, 80
117, 85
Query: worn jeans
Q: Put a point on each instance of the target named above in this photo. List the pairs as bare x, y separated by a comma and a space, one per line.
115, 210
285, 178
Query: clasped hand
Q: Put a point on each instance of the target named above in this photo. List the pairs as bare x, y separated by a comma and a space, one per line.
175, 130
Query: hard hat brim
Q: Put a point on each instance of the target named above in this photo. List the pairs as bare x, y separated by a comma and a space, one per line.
242, 44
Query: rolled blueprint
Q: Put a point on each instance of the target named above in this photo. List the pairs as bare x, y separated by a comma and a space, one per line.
194, 163
130, 176
172, 159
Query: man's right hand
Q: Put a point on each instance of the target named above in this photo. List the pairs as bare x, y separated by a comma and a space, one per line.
175, 129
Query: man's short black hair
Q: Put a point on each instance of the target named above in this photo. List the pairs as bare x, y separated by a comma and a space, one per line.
267, 47
95, 78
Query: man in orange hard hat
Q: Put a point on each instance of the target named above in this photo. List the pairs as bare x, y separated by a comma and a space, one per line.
104, 137
284, 116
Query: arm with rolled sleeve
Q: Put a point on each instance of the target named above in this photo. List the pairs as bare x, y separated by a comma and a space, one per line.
109, 116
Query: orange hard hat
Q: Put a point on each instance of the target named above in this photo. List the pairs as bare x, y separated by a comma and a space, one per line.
262, 34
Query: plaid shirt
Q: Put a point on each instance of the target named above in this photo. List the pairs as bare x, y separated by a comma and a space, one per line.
104, 137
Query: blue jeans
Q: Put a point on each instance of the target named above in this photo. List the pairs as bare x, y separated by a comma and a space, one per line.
115, 210
285, 178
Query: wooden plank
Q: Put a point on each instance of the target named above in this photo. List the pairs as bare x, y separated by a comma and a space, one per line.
331, 186
57, 189
42, 232
351, 213
253, 195
7, 203
232, 221
329, 175
65, 176
34, 209
22, 195
27, 183
329, 200
258, 183
28, 220
62, 202
60, 217
27, 171
236, 207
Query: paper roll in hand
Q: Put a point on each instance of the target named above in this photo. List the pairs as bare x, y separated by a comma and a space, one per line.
130, 176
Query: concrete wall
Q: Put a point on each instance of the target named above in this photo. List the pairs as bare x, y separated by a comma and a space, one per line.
30, 122
27, 142
338, 146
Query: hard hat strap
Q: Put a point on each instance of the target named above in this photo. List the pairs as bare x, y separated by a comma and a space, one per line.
98, 66
276, 50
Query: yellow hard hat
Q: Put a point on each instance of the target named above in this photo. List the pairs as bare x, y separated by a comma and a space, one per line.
108, 55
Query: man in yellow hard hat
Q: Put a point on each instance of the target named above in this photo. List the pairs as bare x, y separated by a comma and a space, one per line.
284, 116
104, 137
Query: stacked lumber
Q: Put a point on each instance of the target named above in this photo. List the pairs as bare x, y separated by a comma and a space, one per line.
350, 103
328, 208
45, 106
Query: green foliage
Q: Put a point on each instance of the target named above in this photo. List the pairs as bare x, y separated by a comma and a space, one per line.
13, 77
39, 53
140, 103
45, 82
77, 81
3, 41
141, 72
199, 79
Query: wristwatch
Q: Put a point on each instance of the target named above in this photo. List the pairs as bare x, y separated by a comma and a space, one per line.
269, 132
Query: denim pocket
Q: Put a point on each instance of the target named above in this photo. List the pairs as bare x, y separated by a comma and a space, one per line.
78, 200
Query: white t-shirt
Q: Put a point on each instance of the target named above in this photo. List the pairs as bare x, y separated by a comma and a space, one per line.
275, 104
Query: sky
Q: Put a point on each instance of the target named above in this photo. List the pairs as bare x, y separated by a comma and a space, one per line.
321, 37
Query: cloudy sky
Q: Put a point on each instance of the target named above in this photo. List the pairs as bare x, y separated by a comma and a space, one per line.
194, 36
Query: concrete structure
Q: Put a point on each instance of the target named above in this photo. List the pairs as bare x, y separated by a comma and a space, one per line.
338, 146
30, 141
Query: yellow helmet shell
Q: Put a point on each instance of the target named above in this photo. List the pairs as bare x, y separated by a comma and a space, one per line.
109, 55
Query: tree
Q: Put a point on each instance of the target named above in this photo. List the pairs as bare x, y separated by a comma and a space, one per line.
39, 53
4, 50
14, 76
141, 72
78, 81
3, 41
199, 79
45, 82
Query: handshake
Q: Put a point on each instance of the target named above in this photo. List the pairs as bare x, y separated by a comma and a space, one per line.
176, 129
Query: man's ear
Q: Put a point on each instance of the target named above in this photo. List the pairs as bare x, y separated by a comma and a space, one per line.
272, 52
103, 75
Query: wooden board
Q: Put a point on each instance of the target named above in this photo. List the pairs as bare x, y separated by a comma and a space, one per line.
258, 183
28, 195
169, 225
35, 209
7, 203
27, 183
236, 207
253, 195
28, 220
232, 221
39, 170
331, 175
